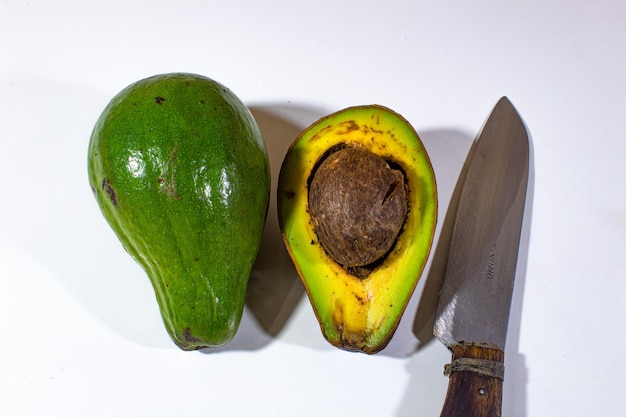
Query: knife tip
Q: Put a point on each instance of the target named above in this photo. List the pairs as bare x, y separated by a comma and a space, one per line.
505, 100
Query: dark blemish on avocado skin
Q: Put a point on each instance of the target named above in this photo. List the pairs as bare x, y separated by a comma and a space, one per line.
106, 186
159, 100
189, 337
290, 195
350, 126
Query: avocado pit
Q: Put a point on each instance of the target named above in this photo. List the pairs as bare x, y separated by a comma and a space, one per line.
358, 205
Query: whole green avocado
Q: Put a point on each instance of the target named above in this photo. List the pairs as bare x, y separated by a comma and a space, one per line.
180, 171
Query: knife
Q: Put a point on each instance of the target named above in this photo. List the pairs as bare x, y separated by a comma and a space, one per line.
475, 298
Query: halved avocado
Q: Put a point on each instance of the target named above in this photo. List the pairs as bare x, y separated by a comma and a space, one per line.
357, 207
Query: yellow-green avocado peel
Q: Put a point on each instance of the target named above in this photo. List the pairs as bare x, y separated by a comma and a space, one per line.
356, 310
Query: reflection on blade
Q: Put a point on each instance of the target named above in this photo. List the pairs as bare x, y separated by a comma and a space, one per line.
476, 293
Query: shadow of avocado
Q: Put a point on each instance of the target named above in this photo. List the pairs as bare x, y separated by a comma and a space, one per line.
449, 183
274, 288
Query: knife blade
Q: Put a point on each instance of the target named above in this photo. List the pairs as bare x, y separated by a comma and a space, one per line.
475, 298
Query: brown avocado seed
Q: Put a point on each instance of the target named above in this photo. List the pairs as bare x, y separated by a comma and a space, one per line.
358, 205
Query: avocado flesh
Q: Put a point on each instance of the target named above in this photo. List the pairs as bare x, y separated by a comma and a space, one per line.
180, 171
356, 313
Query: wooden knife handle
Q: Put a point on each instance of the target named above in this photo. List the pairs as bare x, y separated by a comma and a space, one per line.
475, 385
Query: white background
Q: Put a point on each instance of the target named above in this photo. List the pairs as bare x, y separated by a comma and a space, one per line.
80, 332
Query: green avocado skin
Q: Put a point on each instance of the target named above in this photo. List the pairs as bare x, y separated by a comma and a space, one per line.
180, 171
